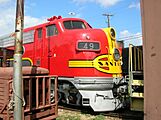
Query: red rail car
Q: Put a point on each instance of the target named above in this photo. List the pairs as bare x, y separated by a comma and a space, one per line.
39, 94
86, 60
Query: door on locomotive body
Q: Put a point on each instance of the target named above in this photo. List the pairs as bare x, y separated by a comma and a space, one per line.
52, 41
38, 47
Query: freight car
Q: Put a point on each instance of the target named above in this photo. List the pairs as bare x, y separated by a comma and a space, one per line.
86, 60
39, 94
133, 71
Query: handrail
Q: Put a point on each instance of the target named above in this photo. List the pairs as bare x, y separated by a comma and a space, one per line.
135, 58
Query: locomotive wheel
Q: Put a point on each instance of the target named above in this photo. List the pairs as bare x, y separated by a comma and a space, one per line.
61, 98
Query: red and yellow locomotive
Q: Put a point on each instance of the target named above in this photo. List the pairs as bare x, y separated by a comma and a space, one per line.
86, 60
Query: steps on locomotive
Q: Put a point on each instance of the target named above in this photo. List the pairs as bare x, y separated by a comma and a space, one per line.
136, 84
136, 91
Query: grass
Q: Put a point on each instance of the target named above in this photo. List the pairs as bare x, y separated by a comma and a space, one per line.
99, 117
68, 117
72, 115
78, 117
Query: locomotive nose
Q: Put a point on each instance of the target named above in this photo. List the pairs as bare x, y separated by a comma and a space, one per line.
90, 40
92, 34
86, 36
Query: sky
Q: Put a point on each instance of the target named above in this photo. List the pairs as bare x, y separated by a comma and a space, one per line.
126, 17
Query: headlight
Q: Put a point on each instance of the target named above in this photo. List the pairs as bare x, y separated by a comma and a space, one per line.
112, 33
116, 54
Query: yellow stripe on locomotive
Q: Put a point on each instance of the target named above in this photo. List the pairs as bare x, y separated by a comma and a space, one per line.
101, 63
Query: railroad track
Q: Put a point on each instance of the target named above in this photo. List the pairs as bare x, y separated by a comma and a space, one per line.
122, 113
126, 115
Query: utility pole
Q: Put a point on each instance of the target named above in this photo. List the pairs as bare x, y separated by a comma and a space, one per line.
4, 57
108, 18
17, 68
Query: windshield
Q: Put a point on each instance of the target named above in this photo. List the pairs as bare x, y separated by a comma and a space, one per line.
74, 24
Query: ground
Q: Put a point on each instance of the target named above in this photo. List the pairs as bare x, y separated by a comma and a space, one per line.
72, 115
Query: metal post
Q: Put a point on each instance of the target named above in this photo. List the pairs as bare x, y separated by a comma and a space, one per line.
17, 75
4, 57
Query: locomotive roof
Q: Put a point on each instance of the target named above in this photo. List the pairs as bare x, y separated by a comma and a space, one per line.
8, 39
52, 22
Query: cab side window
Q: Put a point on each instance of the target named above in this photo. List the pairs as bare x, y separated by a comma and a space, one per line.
40, 33
51, 30
26, 62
